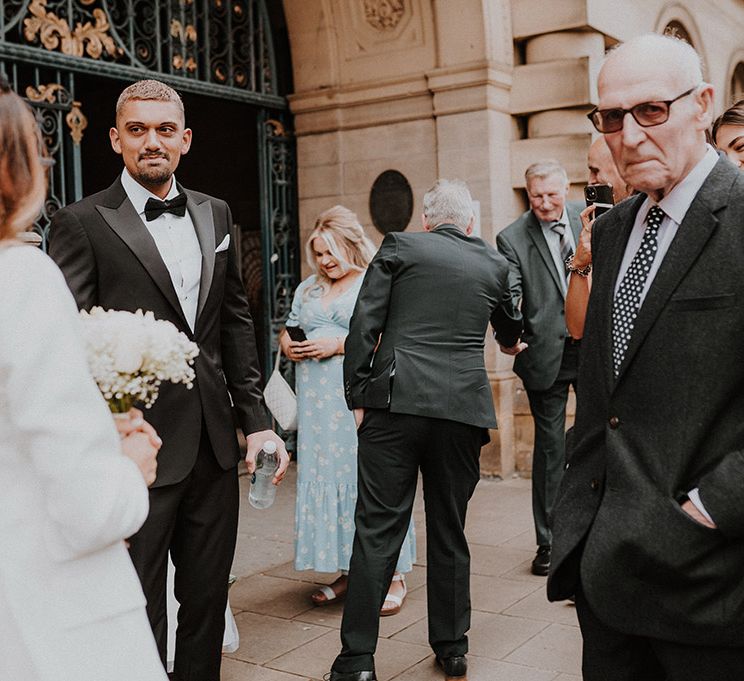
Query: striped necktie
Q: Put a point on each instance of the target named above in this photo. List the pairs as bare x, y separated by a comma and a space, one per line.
628, 299
565, 245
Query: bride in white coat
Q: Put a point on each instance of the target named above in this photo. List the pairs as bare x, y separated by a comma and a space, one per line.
71, 606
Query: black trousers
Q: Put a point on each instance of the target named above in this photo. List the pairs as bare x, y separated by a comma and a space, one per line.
610, 655
197, 520
392, 449
548, 409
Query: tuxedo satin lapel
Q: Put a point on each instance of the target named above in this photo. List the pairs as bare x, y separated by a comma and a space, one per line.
616, 233
697, 227
201, 216
535, 232
128, 225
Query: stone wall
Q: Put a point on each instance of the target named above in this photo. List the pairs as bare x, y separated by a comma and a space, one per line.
475, 89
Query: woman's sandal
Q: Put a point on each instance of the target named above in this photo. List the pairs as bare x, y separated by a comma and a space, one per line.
325, 595
396, 600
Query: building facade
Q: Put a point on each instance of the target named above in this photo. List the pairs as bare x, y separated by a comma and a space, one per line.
298, 105
474, 89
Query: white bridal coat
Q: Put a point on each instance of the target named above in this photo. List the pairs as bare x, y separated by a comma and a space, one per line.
71, 606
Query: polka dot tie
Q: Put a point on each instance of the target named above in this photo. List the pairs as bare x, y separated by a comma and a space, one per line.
565, 245
628, 299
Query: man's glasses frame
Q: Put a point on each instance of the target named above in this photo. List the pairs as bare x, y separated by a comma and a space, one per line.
646, 114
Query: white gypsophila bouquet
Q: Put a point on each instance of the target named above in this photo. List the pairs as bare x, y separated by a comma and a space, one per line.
131, 353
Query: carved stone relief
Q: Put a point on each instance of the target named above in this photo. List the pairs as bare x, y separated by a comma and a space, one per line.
384, 15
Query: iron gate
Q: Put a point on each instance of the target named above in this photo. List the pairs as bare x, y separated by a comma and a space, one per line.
220, 48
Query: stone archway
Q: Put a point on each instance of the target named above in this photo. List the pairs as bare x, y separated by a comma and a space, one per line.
421, 87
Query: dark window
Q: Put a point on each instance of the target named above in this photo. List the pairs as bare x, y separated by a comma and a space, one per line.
391, 202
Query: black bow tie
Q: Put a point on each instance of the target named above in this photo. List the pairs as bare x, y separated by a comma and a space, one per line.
154, 208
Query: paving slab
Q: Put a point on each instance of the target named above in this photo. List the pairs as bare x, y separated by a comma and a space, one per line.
557, 648
516, 635
315, 658
479, 669
537, 606
265, 638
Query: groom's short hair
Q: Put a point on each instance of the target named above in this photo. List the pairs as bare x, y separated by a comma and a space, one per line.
152, 90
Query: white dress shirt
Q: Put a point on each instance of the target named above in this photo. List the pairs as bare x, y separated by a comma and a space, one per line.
177, 243
675, 206
553, 240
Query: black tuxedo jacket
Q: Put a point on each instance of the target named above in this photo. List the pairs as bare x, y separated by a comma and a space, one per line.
537, 289
109, 259
672, 421
431, 296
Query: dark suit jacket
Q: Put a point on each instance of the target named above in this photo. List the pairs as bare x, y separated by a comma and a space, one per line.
672, 421
534, 281
431, 296
109, 259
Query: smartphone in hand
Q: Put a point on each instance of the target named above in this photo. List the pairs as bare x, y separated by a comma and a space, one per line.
599, 195
296, 333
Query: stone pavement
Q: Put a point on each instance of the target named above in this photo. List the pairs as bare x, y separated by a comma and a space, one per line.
516, 634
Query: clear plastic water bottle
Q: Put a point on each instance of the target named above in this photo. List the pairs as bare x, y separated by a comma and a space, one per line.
262, 492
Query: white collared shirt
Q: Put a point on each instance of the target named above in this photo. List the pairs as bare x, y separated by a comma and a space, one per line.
553, 239
675, 206
177, 243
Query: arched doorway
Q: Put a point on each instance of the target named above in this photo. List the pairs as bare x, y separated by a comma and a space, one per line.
229, 60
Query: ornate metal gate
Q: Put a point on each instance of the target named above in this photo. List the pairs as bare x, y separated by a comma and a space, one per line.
221, 48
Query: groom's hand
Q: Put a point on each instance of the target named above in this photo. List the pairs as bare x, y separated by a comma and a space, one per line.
254, 444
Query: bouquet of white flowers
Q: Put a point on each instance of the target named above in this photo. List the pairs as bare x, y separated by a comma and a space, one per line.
131, 353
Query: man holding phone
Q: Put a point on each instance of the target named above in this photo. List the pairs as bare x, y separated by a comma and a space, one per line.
537, 246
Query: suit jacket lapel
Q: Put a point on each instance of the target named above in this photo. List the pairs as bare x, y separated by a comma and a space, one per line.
535, 232
697, 227
121, 216
201, 216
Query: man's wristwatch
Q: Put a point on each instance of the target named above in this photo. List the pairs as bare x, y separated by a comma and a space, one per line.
582, 272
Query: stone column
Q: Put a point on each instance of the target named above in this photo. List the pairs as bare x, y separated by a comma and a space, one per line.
552, 92
474, 127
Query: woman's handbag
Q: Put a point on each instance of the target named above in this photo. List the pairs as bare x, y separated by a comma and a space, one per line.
280, 398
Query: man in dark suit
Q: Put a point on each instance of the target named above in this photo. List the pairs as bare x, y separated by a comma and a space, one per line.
537, 246
422, 400
649, 523
145, 242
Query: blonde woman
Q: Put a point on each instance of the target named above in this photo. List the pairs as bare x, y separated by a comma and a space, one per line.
338, 252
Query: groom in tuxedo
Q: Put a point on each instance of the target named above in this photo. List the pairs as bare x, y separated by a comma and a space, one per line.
146, 242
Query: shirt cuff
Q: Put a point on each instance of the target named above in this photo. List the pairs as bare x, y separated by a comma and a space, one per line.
694, 496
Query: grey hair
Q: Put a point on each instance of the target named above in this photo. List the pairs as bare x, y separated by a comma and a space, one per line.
542, 169
449, 202
686, 57
152, 90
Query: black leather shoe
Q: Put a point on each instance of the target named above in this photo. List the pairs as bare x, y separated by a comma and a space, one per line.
351, 676
541, 564
454, 667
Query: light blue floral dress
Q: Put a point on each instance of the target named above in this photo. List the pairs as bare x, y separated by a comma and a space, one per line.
327, 442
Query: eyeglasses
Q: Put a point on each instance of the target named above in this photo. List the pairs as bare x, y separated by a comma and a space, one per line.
646, 114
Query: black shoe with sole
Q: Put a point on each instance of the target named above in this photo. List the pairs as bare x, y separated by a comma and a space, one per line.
351, 676
454, 667
541, 564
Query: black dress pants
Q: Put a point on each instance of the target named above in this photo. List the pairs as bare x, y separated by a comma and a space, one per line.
392, 449
611, 655
197, 520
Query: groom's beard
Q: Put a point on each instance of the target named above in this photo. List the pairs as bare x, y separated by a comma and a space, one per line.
153, 176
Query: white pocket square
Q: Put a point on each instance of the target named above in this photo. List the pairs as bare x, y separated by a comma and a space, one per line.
223, 245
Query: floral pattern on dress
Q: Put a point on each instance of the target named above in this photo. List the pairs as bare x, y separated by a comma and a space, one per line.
327, 442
